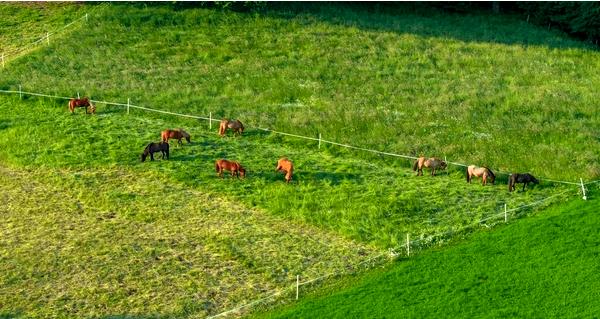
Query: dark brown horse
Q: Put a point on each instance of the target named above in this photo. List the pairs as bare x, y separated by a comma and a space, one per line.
520, 178
234, 167
84, 102
177, 134
285, 166
152, 148
431, 163
483, 172
236, 126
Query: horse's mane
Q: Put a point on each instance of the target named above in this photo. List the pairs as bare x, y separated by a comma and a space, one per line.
148, 146
489, 170
185, 134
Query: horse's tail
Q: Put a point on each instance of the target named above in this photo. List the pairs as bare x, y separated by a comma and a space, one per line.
415, 165
511, 182
468, 175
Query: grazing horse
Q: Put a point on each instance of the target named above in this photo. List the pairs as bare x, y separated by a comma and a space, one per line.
520, 178
285, 166
84, 102
432, 163
236, 126
176, 134
152, 148
234, 167
482, 172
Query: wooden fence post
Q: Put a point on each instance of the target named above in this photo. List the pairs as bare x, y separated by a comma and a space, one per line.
505, 214
583, 188
128, 102
78, 95
408, 245
297, 286
319, 140
210, 121
20, 92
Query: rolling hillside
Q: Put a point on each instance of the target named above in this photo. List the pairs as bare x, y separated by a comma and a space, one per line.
106, 235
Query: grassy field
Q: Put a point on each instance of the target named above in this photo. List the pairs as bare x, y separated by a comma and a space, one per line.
25, 23
517, 101
168, 238
542, 267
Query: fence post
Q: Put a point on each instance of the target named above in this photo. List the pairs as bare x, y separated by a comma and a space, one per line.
505, 214
582, 188
48, 37
127, 105
297, 285
86, 17
210, 125
78, 95
408, 245
20, 92
319, 140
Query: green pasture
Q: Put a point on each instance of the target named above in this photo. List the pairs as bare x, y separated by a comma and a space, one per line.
542, 267
517, 101
90, 231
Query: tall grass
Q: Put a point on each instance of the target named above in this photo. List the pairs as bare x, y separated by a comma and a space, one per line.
404, 84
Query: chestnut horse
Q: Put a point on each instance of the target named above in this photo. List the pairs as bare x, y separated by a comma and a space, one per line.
482, 172
84, 102
285, 166
236, 126
431, 163
234, 167
176, 134
520, 178
153, 148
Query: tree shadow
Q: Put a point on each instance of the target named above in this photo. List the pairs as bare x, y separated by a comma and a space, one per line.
427, 21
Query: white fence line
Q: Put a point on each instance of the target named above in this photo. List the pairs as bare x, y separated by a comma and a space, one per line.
405, 245
272, 131
46, 37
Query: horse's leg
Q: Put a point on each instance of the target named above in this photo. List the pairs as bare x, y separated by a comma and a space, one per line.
524, 184
151, 156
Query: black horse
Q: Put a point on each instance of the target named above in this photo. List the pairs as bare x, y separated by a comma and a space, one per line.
162, 147
520, 178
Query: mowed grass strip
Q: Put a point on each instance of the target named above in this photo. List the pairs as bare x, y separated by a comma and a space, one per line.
541, 267
115, 242
376, 201
410, 83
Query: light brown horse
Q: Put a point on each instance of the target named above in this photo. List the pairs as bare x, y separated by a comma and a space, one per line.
431, 163
482, 172
234, 167
236, 126
176, 134
84, 102
285, 166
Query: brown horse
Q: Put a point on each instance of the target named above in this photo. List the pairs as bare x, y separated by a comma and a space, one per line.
520, 178
482, 172
153, 148
285, 166
176, 134
84, 102
234, 167
236, 126
431, 163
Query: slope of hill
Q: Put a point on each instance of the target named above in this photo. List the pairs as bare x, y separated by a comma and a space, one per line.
398, 83
541, 267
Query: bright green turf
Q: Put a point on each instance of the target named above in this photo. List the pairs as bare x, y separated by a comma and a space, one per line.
542, 267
